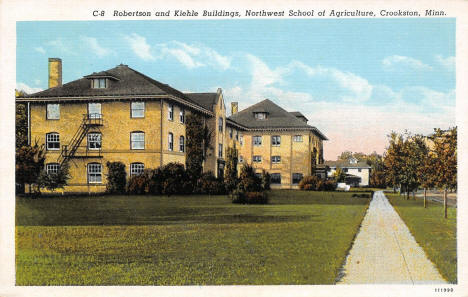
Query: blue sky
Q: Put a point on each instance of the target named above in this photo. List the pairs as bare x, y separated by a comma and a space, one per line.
355, 79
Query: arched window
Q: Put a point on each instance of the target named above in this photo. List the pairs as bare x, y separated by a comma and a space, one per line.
137, 140
182, 144
170, 141
136, 168
52, 141
94, 173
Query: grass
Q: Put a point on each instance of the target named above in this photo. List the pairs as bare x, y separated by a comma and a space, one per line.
299, 238
436, 235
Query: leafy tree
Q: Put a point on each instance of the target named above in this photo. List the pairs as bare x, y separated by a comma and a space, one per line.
339, 175
393, 161
116, 177
248, 180
198, 143
266, 180
377, 179
53, 181
230, 178
444, 161
21, 125
346, 155
29, 163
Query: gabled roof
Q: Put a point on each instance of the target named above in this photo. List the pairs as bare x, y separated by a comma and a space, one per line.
206, 100
126, 81
277, 118
346, 164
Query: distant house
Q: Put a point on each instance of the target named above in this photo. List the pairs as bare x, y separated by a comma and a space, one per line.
357, 172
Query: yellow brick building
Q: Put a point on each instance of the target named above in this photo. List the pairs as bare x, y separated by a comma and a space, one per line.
123, 115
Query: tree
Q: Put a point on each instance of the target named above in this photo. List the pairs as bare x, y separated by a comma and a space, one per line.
195, 132
345, 156
21, 125
339, 175
29, 163
230, 178
53, 181
444, 161
116, 177
393, 161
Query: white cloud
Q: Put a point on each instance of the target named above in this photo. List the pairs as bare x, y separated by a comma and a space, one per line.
37, 81
396, 62
40, 49
193, 55
60, 45
25, 88
364, 116
448, 63
139, 46
94, 45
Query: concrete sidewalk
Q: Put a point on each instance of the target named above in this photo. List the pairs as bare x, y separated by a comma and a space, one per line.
385, 252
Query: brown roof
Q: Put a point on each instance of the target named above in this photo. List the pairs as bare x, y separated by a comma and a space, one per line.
346, 164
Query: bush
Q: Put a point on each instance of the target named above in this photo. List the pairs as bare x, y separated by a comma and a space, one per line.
249, 197
248, 181
265, 180
138, 184
175, 180
155, 181
315, 183
361, 195
209, 184
116, 177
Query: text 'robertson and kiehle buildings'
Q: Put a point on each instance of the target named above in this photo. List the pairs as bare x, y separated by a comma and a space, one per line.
123, 115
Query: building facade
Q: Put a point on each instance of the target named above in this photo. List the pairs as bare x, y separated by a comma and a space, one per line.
123, 115
357, 172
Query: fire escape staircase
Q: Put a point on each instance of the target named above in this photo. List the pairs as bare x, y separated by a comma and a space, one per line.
69, 151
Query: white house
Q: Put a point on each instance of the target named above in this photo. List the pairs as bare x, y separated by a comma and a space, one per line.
357, 172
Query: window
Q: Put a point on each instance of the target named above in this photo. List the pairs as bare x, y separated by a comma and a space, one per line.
136, 168
220, 150
182, 115
53, 111
94, 110
182, 144
137, 140
220, 125
138, 109
345, 169
257, 140
276, 159
94, 141
99, 83
260, 115
170, 114
359, 170
52, 168
276, 140
275, 178
237, 135
241, 140
94, 173
296, 178
241, 159
257, 159
52, 141
230, 133
170, 141
258, 174
297, 138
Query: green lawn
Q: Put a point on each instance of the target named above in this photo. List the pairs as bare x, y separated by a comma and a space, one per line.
436, 235
299, 238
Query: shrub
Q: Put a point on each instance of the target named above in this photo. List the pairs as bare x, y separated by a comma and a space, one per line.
209, 184
175, 180
155, 181
248, 180
309, 183
360, 195
265, 180
249, 197
329, 185
116, 177
138, 184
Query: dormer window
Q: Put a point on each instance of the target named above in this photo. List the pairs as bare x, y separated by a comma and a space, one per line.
99, 83
260, 115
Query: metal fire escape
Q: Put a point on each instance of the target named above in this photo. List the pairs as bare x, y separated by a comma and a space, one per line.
90, 122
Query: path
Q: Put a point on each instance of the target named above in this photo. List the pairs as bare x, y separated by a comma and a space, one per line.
385, 252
